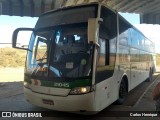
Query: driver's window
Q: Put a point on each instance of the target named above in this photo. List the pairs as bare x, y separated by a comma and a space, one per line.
41, 53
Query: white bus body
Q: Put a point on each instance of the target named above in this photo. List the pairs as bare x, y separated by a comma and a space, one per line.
84, 58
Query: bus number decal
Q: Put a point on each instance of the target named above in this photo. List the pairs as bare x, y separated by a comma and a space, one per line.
65, 85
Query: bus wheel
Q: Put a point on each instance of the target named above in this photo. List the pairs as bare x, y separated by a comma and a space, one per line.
122, 93
150, 76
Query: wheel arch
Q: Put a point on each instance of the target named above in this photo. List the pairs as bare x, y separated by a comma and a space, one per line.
121, 91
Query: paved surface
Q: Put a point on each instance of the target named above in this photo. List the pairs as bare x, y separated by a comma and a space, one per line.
140, 99
10, 74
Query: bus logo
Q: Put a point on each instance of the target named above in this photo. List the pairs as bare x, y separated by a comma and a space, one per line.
6, 114
36, 82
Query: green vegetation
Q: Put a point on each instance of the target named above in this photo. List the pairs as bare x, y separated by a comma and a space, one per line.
10, 57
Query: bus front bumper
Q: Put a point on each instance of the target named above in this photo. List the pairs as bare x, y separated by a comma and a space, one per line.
70, 103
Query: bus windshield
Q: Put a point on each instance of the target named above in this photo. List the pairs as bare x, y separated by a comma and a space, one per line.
61, 52
71, 54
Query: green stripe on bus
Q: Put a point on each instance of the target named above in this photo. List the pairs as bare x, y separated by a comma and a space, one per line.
67, 85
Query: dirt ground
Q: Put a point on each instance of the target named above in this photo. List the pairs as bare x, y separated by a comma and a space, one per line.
11, 74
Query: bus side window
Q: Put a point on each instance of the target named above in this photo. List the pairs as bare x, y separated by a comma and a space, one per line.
102, 52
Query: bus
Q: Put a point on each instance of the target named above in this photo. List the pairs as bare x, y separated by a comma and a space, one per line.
83, 58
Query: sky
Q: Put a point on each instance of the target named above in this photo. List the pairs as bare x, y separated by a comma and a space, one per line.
132, 18
9, 23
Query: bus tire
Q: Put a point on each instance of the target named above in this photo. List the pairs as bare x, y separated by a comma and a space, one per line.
150, 77
122, 92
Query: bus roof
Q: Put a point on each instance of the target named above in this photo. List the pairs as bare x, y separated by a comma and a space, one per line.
90, 4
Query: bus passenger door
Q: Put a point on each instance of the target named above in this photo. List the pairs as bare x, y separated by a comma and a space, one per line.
105, 72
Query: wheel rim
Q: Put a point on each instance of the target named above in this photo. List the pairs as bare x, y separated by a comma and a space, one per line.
122, 91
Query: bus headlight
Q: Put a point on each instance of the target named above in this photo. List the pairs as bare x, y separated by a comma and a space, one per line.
80, 90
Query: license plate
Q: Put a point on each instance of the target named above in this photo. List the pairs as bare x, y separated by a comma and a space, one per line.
48, 102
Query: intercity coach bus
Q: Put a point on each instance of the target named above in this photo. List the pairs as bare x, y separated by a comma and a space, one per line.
83, 58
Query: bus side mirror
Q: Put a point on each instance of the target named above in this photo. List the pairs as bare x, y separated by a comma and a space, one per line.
93, 30
21, 35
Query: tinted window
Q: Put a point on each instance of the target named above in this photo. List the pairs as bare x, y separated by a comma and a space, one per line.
124, 32
134, 55
134, 38
102, 53
67, 16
